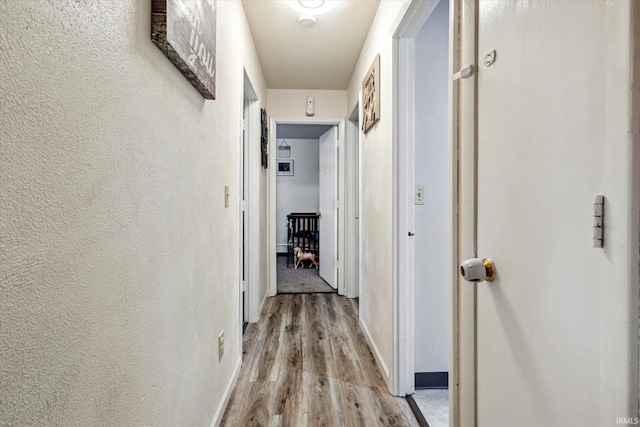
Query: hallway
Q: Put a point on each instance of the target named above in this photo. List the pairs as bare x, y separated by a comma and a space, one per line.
140, 227
307, 363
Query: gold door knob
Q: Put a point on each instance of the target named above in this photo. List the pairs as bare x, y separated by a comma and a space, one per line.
477, 270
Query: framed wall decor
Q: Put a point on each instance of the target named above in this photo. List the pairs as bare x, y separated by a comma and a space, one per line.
284, 167
185, 31
371, 96
284, 150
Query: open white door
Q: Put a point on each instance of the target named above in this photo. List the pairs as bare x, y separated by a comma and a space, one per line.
328, 206
556, 333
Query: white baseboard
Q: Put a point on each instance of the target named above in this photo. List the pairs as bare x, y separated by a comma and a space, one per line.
264, 300
384, 370
217, 418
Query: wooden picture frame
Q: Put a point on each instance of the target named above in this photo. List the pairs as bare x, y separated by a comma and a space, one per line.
284, 167
185, 31
371, 96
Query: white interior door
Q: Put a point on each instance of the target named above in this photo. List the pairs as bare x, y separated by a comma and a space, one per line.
328, 184
553, 345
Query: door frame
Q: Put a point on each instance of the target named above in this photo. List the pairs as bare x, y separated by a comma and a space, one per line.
635, 172
273, 123
352, 254
464, 130
251, 160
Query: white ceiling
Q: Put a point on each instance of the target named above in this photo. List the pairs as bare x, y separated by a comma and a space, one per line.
320, 57
301, 131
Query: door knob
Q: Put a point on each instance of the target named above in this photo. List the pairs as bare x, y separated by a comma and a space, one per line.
477, 270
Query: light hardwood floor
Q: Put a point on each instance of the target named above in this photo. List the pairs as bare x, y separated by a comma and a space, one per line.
306, 363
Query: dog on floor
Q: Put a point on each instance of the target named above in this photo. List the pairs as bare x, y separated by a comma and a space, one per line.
304, 256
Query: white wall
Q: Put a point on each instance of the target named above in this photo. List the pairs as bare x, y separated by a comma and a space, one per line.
376, 297
300, 192
293, 102
120, 263
432, 170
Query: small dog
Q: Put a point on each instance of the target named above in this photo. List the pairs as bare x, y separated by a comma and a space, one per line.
304, 256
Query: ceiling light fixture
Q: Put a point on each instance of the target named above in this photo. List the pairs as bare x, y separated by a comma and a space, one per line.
311, 4
312, 7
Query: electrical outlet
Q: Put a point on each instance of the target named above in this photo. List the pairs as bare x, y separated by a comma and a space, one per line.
220, 345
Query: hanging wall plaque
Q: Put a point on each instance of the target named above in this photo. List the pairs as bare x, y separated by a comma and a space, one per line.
284, 150
185, 31
371, 96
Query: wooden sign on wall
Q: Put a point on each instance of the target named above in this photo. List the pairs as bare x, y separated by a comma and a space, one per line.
185, 31
371, 96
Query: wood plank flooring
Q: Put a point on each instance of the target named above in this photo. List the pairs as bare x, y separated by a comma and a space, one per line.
306, 363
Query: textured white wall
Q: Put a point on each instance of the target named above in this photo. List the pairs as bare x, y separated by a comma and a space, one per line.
432, 169
376, 297
119, 261
300, 192
293, 103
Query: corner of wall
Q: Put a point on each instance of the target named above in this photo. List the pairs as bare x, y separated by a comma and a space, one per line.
384, 370
219, 414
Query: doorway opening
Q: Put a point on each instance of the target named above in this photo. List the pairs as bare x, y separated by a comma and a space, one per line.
424, 224
331, 222
304, 238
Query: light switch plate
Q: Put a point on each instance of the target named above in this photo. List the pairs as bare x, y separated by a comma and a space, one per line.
598, 221
419, 195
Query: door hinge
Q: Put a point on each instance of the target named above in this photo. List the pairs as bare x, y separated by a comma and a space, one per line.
243, 205
244, 286
244, 124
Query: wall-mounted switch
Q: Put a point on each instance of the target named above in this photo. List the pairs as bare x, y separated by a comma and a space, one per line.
598, 222
419, 195
226, 196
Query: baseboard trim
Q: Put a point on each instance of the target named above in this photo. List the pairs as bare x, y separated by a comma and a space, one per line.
422, 421
376, 354
217, 418
431, 380
264, 300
